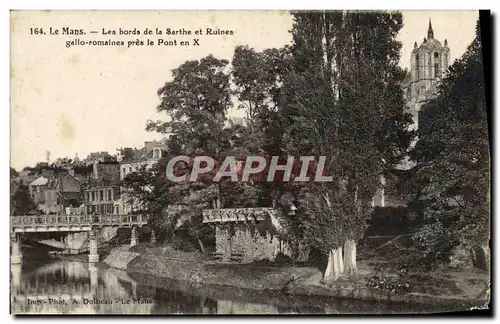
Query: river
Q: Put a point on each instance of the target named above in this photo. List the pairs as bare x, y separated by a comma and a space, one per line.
73, 287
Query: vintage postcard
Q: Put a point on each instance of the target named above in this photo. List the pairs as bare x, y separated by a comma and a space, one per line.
249, 162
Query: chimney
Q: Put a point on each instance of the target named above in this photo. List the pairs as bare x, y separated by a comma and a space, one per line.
94, 169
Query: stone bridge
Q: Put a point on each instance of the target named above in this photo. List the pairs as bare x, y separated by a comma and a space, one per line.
72, 223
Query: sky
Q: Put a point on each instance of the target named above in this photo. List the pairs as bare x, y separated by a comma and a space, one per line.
85, 99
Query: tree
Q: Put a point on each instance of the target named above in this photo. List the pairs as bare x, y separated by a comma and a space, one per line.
453, 158
343, 100
139, 190
257, 77
13, 173
196, 102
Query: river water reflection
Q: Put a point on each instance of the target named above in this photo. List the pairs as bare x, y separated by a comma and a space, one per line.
72, 287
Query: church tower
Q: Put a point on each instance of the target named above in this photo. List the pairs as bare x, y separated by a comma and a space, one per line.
429, 62
428, 65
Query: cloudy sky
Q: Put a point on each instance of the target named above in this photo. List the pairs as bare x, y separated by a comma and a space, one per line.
84, 99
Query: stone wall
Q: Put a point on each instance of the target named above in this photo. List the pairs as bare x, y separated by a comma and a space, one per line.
80, 240
120, 256
254, 246
223, 242
236, 307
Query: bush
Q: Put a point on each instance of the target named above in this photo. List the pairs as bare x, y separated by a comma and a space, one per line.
262, 262
183, 242
282, 259
390, 221
318, 259
435, 242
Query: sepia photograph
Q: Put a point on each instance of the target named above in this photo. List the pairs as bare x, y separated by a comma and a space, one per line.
307, 162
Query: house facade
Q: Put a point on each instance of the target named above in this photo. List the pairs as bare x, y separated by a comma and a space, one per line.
53, 193
102, 193
132, 160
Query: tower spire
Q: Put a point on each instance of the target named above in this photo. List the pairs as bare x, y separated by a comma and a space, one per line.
430, 32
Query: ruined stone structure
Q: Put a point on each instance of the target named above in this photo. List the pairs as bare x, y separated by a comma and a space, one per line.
248, 234
251, 245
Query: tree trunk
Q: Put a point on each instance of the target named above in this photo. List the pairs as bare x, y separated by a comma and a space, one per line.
350, 267
332, 271
340, 260
347, 256
202, 247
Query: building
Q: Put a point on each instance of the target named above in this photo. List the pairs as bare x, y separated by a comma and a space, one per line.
237, 121
127, 153
53, 193
102, 156
43, 191
133, 160
70, 190
102, 193
137, 164
429, 63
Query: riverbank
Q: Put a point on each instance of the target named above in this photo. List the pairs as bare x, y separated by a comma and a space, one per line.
453, 290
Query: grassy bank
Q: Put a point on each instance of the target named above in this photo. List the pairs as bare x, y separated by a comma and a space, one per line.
196, 268
376, 279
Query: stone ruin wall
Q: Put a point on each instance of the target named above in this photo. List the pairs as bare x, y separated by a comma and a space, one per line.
254, 247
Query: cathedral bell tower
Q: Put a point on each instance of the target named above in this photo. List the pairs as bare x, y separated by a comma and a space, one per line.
428, 66
429, 62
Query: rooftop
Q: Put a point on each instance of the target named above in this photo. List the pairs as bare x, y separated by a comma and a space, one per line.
430, 41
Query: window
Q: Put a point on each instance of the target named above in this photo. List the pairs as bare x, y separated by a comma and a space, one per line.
156, 153
88, 195
417, 66
93, 196
101, 194
110, 194
129, 169
436, 65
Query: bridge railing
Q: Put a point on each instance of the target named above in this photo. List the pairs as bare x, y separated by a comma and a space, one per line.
90, 220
